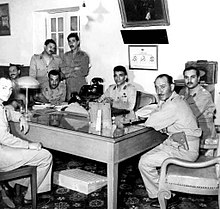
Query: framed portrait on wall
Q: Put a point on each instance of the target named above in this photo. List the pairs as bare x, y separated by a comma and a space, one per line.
143, 57
144, 13
4, 20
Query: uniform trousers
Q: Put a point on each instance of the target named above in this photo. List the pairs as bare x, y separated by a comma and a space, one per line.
153, 159
42, 159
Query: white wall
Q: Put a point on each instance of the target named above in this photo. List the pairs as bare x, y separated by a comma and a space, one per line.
193, 35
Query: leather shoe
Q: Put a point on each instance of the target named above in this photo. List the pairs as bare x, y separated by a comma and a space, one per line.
174, 201
40, 201
155, 203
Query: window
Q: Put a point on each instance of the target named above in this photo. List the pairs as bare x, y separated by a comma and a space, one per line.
59, 25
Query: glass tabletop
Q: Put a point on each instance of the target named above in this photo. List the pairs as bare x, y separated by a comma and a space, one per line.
78, 122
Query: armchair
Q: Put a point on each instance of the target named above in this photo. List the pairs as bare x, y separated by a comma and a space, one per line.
200, 177
143, 99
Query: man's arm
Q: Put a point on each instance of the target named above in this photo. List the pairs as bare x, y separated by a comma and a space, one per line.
162, 118
83, 69
33, 67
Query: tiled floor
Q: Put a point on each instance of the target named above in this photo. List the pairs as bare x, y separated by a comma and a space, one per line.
131, 191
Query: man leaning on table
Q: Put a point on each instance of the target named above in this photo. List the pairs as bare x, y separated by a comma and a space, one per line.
174, 117
15, 152
53, 91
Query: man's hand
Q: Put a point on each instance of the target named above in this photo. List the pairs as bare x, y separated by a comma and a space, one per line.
23, 124
35, 145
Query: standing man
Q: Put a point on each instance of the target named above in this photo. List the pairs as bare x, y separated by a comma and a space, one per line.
42, 64
54, 90
200, 101
174, 117
75, 66
15, 152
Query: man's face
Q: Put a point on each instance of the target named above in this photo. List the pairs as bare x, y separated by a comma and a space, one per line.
163, 88
73, 43
54, 81
13, 72
50, 48
191, 79
5, 89
120, 78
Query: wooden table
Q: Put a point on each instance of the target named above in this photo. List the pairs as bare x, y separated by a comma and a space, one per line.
71, 135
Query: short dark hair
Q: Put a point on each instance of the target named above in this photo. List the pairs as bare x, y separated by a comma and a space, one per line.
73, 35
48, 41
121, 69
169, 78
54, 72
192, 68
16, 65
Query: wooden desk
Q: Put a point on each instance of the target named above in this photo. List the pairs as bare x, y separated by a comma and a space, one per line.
97, 147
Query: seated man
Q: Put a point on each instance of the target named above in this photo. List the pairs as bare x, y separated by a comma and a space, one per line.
52, 91
15, 152
121, 95
175, 118
200, 101
17, 98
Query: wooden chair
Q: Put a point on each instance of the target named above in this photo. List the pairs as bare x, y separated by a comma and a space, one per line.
143, 99
200, 177
20, 173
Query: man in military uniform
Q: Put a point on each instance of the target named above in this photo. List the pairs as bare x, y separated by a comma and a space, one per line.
200, 101
54, 90
75, 66
42, 64
122, 95
174, 117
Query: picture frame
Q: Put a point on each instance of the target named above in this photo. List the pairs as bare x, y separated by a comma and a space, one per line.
144, 13
143, 57
4, 20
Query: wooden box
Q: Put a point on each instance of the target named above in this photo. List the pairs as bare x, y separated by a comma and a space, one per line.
79, 180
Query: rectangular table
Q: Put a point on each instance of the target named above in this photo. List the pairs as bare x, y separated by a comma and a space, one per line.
71, 134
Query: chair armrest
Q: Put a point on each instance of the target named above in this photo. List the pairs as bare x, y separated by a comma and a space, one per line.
185, 163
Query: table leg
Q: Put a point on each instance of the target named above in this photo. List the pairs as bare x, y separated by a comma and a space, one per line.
112, 185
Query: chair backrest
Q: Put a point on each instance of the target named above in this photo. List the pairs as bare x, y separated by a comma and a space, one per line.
143, 99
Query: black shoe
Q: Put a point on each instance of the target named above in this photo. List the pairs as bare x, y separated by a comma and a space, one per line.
155, 203
173, 201
44, 195
40, 201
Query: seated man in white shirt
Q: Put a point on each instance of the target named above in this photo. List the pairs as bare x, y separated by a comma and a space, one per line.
121, 95
15, 152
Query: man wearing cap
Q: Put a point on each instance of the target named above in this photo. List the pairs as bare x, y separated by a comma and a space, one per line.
200, 101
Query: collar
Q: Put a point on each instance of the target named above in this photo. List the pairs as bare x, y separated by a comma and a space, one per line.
42, 55
172, 96
123, 86
195, 90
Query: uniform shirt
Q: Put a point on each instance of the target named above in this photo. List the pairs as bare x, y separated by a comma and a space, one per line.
39, 68
203, 107
123, 97
54, 96
175, 116
6, 138
75, 68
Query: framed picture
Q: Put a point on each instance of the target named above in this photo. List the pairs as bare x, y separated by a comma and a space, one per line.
143, 57
4, 20
143, 13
